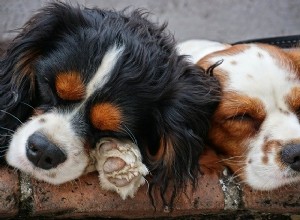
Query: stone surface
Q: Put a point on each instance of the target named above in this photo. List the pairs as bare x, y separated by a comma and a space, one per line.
284, 200
84, 198
9, 192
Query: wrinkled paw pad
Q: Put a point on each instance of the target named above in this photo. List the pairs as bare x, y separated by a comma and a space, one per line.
120, 166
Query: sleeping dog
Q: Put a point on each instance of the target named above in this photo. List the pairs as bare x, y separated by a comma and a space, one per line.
75, 76
256, 127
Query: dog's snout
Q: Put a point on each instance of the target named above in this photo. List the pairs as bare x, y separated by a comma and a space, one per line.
42, 153
291, 156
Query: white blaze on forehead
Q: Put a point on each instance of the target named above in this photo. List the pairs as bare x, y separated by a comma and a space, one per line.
107, 64
258, 74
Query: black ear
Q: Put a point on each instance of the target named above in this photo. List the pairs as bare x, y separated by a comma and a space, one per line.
18, 87
183, 127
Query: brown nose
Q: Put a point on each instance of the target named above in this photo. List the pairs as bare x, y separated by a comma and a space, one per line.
42, 153
291, 156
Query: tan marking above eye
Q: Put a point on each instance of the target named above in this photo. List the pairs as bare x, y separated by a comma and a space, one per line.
106, 116
234, 104
229, 133
70, 86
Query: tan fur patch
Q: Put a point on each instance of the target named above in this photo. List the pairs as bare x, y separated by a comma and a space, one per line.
70, 86
164, 153
25, 69
233, 104
268, 148
106, 116
227, 52
210, 162
287, 60
169, 153
293, 99
294, 55
230, 135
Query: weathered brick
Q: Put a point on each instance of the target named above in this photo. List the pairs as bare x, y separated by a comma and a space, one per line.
283, 200
9, 192
84, 198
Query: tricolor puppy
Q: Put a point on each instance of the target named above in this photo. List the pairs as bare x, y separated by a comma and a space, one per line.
256, 127
74, 76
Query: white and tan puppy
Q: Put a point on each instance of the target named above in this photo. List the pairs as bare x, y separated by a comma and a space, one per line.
256, 126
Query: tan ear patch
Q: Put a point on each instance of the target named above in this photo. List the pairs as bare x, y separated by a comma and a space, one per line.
164, 153
24, 68
70, 86
106, 116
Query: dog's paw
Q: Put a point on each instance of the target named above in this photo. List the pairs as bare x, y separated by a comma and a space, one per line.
120, 166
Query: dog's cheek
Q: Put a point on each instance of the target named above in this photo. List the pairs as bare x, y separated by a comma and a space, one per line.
230, 141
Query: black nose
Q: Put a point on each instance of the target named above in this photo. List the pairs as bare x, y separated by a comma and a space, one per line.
291, 155
42, 153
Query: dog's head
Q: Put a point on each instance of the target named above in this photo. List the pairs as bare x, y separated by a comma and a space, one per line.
256, 126
76, 75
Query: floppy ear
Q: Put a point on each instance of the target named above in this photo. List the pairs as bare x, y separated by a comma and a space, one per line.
18, 87
183, 127
17, 84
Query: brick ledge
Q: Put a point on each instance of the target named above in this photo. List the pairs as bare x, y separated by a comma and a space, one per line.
214, 198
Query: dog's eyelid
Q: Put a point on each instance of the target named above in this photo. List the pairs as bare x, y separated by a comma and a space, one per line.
248, 118
241, 117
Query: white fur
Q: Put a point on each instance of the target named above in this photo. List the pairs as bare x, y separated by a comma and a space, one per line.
107, 64
196, 49
264, 78
130, 177
58, 129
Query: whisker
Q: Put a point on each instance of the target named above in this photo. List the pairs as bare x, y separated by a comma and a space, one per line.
3, 151
28, 105
229, 158
235, 162
126, 129
12, 116
5, 135
3, 147
7, 129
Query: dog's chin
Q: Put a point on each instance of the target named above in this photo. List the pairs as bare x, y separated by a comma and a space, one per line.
270, 178
64, 173
73, 167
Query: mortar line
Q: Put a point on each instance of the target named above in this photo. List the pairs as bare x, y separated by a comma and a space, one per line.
232, 192
26, 197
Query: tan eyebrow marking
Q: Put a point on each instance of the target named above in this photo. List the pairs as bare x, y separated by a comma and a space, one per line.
106, 116
70, 86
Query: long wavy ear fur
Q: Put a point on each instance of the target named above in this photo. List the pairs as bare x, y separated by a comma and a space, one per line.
183, 126
17, 65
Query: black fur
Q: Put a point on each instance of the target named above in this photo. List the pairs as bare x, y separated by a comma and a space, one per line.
164, 98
